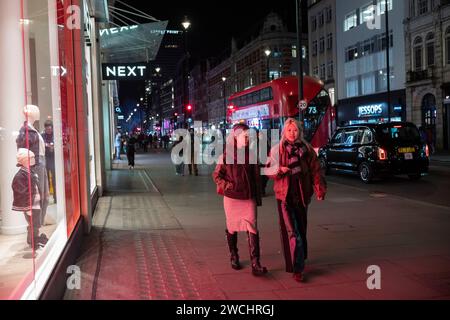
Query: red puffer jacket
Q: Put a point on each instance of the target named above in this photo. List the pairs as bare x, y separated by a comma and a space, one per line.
311, 177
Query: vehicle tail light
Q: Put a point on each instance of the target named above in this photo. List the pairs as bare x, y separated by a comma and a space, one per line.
427, 151
382, 154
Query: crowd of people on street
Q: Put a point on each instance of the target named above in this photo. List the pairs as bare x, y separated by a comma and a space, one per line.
130, 143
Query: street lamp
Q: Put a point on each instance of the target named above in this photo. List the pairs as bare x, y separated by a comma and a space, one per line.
186, 25
224, 103
267, 52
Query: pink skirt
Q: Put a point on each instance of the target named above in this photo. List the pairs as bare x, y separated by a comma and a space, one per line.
240, 215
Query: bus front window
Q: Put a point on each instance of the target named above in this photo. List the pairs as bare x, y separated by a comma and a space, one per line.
315, 113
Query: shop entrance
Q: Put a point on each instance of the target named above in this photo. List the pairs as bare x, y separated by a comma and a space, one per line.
429, 115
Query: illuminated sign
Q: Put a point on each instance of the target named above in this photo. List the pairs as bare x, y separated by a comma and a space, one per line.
116, 30
251, 113
371, 110
126, 71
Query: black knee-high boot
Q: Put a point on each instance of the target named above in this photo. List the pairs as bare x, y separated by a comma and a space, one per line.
232, 245
253, 245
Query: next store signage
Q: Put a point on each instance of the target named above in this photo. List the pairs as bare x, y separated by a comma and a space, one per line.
125, 71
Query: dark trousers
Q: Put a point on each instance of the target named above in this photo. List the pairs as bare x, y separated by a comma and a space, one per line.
293, 225
33, 226
130, 156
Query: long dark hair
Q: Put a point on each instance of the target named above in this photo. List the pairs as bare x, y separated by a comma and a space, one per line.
231, 139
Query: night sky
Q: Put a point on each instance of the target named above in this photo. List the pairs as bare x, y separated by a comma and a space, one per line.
214, 23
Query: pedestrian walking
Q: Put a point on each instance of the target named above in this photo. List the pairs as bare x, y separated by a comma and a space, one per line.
193, 167
131, 151
240, 186
118, 143
295, 169
179, 168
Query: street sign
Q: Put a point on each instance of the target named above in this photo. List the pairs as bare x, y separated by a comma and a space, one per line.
302, 105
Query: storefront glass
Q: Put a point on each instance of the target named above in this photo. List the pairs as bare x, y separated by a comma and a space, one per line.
40, 197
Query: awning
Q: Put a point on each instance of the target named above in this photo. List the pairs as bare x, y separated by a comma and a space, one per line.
132, 44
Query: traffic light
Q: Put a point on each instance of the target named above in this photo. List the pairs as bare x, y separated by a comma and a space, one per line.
189, 109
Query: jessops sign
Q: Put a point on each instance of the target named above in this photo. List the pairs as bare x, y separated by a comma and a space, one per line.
125, 71
372, 110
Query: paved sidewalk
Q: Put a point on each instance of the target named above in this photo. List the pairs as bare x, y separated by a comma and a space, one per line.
161, 236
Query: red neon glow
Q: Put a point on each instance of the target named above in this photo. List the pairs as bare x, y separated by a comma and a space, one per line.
397, 127
189, 108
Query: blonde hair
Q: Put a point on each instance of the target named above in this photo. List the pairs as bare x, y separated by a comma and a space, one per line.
300, 139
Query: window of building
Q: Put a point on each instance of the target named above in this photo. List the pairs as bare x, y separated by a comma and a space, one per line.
321, 20
330, 70
351, 21
368, 83
412, 8
352, 54
367, 47
313, 23
418, 55
322, 45
447, 44
430, 49
322, 71
352, 87
314, 49
422, 6
294, 51
330, 41
316, 71
304, 52
382, 80
382, 6
329, 11
366, 13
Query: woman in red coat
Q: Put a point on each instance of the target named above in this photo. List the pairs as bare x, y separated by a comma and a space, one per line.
239, 182
295, 169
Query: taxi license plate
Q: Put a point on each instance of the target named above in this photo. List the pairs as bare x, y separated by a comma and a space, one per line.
408, 156
407, 150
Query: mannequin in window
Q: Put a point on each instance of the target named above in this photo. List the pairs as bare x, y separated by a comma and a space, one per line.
36, 144
26, 199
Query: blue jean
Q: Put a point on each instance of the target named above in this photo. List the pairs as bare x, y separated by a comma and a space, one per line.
118, 152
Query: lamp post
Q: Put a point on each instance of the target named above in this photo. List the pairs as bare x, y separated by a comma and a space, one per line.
388, 46
299, 12
224, 103
186, 25
267, 52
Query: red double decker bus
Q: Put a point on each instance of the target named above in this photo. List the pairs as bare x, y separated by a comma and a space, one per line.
268, 105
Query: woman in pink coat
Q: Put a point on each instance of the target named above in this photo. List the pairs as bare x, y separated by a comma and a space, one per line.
295, 169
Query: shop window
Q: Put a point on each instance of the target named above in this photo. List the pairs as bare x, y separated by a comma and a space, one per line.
40, 199
429, 110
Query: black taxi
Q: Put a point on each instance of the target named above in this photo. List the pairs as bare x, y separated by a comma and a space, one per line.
373, 150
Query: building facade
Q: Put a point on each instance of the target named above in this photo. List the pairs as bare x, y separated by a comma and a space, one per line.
362, 73
322, 43
270, 55
427, 58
